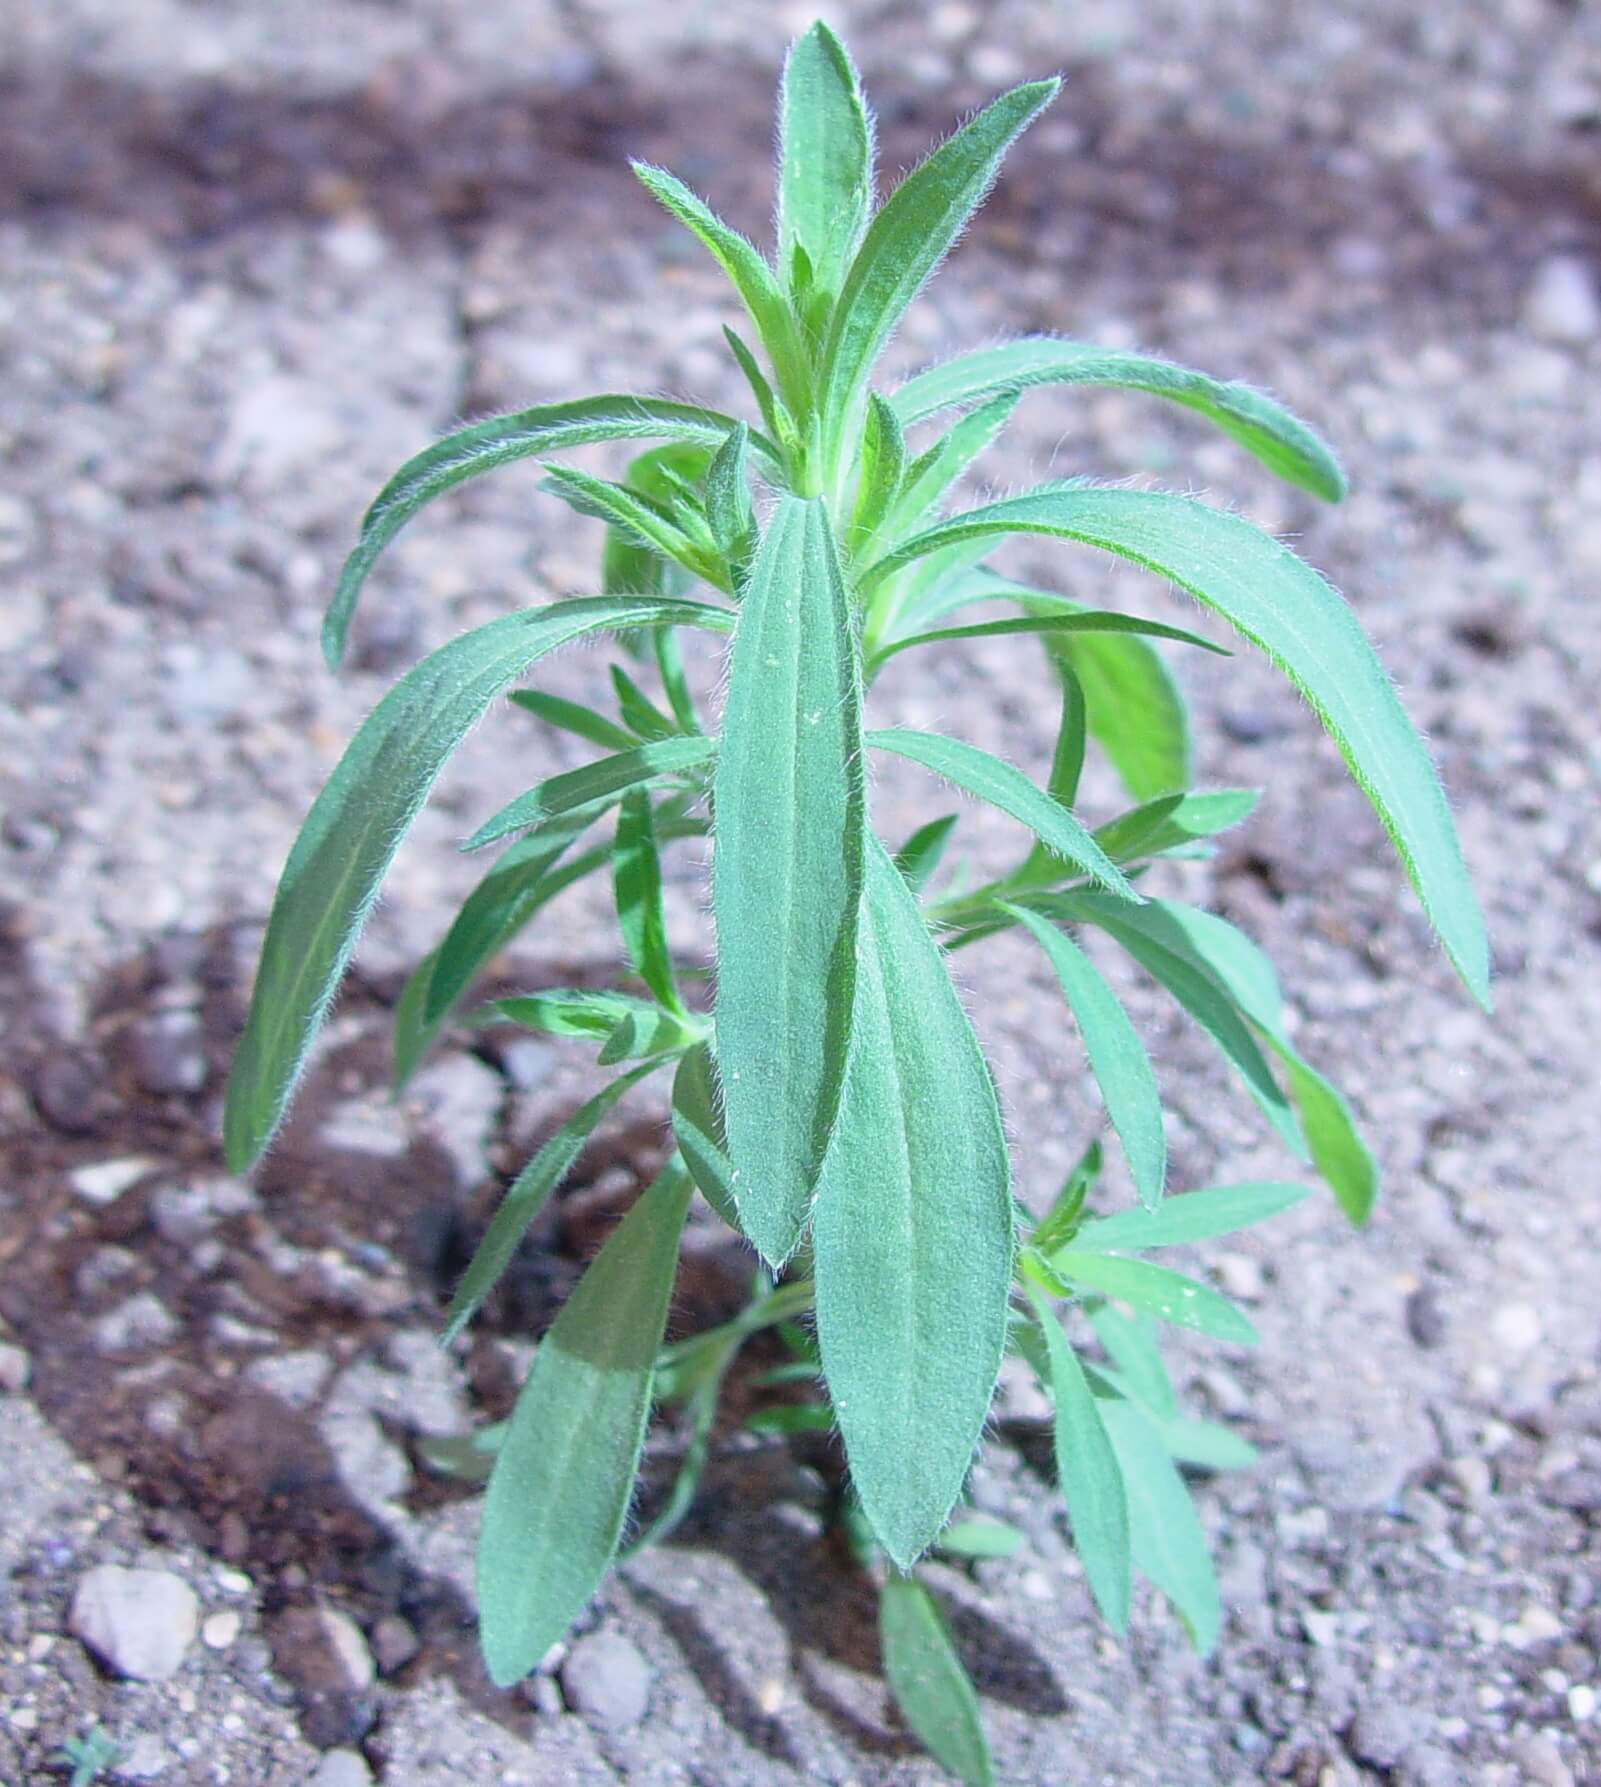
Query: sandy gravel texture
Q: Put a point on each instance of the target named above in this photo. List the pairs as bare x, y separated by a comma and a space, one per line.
255, 254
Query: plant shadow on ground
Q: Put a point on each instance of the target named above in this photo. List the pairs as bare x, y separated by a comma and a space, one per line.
155, 1326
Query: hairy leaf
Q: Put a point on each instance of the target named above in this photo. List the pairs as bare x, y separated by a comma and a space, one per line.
1283, 606
1118, 1059
1086, 1468
787, 872
933, 472
883, 462
906, 240
825, 177
356, 824
912, 1238
637, 516
1242, 974
1002, 785
526, 1196
572, 716
1265, 428
1173, 820
728, 504
1131, 1344
979, 1536
698, 1130
637, 890
1196, 1216
935, 1695
592, 782
559, 1493
1169, 1546
920, 855
1169, 1296
1083, 620
749, 274
527, 434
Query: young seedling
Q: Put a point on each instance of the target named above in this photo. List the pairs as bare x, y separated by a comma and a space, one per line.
832, 1104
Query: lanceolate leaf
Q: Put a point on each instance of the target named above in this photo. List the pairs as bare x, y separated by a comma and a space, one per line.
498, 907
883, 462
559, 1493
1004, 786
1169, 1296
1280, 604
355, 827
1169, 1546
639, 713
1132, 707
524, 881
1082, 620
1086, 1467
698, 1130
551, 428
1131, 1344
1173, 820
825, 178
1242, 974
1283, 444
913, 1235
728, 503
590, 1012
1196, 1216
1200, 995
906, 240
932, 1689
933, 472
526, 1197
787, 871
749, 274
637, 887
634, 515
1118, 1060
572, 716
920, 855
593, 782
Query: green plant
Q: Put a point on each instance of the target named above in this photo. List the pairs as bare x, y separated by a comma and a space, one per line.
88, 1757
833, 1104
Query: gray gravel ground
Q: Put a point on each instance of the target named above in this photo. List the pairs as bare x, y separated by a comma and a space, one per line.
253, 255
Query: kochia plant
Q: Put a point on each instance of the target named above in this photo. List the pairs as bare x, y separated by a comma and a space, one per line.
833, 1104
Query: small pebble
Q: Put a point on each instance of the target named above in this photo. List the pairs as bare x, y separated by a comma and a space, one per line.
1471, 1475
1541, 1761
219, 1630
1517, 1327
1380, 1733
607, 1681
1562, 304
1425, 1320
394, 1643
64, 1090
1581, 1703
142, 1321
15, 1368
143, 1757
1240, 1276
321, 1650
139, 1623
102, 1182
169, 1054
341, 1768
